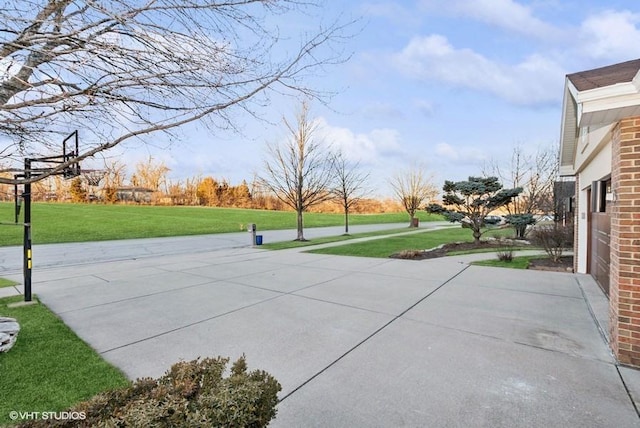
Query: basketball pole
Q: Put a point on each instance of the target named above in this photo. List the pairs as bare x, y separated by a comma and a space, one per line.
26, 197
72, 170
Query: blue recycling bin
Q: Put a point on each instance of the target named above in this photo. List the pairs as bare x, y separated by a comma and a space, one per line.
258, 239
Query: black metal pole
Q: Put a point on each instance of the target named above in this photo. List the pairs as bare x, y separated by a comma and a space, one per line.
26, 196
16, 205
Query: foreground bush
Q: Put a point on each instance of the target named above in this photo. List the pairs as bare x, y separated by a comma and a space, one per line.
505, 254
190, 394
553, 239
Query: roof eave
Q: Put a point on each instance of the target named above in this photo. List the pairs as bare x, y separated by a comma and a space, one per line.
566, 171
607, 92
594, 107
568, 133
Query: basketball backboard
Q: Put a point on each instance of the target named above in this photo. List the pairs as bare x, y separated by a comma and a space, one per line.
70, 151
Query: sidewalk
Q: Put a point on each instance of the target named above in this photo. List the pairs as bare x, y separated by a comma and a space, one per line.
362, 342
52, 255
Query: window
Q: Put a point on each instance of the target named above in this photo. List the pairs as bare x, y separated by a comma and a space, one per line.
599, 191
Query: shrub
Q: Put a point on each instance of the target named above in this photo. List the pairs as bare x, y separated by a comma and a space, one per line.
520, 222
409, 254
553, 239
505, 254
492, 219
190, 394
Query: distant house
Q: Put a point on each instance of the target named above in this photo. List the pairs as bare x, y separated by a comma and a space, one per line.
134, 194
564, 201
600, 147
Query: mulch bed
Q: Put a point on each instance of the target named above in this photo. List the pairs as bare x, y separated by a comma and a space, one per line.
565, 264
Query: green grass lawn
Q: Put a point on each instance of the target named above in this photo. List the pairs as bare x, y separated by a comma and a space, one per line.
57, 222
283, 245
4, 282
49, 368
385, 247
517, 262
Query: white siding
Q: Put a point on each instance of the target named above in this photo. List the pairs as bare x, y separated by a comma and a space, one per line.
598, 169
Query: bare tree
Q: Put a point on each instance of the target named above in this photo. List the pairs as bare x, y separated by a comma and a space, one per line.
350, 184
124, 69
6, 191
114, 173
413, 188
150, 174
300, 171
536, 174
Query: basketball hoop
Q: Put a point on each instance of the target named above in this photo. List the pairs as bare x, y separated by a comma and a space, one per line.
36, 167
70, 151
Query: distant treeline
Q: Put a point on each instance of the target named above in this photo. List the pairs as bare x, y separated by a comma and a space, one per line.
149, 185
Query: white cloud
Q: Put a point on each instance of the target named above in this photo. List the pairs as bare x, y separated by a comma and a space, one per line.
460, 155
611, 35
534, 81
370, 148
392, 11
447, 151
507, 14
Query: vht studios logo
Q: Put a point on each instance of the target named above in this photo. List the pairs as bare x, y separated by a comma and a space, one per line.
76, 416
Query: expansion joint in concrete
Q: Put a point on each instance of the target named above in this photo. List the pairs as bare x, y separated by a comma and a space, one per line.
372, 335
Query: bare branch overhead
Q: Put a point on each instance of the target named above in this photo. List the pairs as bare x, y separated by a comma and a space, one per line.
124, 69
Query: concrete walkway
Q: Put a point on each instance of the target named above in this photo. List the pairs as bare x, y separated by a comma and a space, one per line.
49, 255
362, 342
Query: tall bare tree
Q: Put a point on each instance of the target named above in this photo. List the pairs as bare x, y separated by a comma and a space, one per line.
125, 69
413, 189
150, 174
536, 174
350, 184
114, 173
300, 171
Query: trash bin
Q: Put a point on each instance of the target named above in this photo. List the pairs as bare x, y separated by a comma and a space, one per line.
258, 239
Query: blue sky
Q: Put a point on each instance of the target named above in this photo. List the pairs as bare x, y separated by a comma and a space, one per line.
446, 84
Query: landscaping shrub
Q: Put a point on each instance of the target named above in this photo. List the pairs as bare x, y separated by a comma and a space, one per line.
492, 220
520, 223
408, 254
190, 394
505, 254
553, 239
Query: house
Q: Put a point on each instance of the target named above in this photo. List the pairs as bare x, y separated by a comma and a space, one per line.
600, 147
134, 194
564, 200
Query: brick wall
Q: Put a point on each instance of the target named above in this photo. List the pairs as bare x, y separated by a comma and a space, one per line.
624, 293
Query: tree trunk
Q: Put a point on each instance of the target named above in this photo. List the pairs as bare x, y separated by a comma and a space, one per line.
346, 220
412, 215
476, 235
300, 226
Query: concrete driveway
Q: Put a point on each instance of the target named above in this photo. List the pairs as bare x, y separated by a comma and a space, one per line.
360, 342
